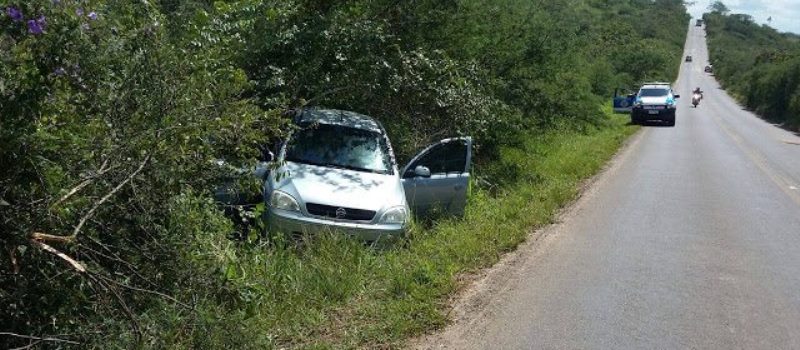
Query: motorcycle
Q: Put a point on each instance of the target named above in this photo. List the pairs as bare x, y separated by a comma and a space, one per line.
696, 99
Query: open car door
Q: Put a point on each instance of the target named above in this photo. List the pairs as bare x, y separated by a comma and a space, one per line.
438, 177
623, 101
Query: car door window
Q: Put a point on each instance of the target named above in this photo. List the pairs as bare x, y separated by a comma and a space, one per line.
445, 191
444, 158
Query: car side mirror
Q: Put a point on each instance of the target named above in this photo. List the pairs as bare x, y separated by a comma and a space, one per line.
677, 96
422, 171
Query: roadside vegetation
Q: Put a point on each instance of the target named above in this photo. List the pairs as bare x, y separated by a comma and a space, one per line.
758, 64
112, 113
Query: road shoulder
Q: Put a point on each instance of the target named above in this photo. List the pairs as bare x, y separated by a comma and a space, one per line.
481, 291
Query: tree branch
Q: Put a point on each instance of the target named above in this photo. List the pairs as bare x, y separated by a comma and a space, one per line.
45, 338
80, 267
77, 265
103, 169
125, 308
109, 195
42, 237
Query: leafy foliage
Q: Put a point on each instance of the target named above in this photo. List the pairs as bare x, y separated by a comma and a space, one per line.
104, 122
112, 114
758, 64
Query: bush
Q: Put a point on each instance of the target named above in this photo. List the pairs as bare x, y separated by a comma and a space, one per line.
106, 119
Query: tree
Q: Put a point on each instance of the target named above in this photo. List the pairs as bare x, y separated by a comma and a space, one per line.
719, 7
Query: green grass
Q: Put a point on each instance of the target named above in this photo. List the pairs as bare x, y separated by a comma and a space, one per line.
337, 293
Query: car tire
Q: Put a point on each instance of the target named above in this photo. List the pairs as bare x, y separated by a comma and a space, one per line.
635, 119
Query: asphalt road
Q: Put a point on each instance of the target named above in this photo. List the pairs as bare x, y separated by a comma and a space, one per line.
691, 240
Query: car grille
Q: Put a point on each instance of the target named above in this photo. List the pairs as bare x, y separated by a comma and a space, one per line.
349, 213
653, 107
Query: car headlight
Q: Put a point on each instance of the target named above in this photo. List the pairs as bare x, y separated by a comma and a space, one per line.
396, 215
282, 200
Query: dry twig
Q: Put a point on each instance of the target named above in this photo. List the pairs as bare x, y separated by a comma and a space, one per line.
76, 265
40, 339
41, 237
103, 169
109, 195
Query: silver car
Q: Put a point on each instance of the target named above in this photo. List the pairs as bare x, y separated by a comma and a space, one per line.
338, 172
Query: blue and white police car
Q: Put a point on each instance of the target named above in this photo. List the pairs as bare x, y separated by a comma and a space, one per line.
654, 101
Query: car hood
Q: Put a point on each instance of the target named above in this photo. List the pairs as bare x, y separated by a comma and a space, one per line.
340, 187
654, 100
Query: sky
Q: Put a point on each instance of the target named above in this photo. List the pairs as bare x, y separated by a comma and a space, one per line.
785, 13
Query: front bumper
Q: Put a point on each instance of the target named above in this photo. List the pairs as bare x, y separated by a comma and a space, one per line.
298, 224
665, 114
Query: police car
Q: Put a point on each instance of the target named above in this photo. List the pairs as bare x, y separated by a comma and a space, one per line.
654, 101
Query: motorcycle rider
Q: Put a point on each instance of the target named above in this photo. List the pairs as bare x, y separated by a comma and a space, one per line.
698, 92
697, 95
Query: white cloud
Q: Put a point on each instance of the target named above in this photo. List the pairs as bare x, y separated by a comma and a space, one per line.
785, 13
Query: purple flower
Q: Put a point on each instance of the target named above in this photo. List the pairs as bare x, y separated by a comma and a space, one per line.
36, 26
14, 13
92, 15
79, 12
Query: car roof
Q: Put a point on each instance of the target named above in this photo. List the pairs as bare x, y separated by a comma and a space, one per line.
338, 117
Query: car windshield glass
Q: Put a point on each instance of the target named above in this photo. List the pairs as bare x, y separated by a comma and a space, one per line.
654, 92
340, 147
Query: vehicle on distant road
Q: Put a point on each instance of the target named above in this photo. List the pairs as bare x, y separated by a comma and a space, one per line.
688, 59
708, 69
654, 101
337, 172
